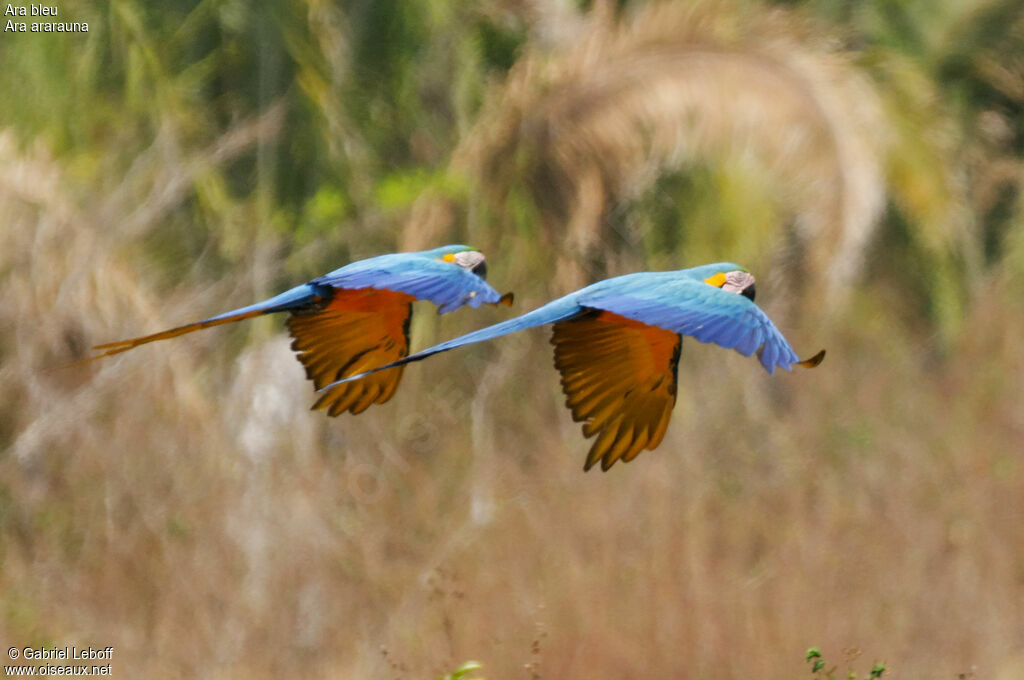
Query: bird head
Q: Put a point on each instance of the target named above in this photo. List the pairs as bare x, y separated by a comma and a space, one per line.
470, 259
734, 281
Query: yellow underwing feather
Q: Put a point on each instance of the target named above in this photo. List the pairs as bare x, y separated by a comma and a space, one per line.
619, 379
357, 331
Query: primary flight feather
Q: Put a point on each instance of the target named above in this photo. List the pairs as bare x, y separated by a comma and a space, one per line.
357, 317
617, 344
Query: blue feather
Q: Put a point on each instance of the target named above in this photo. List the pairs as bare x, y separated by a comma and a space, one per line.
424, 275
679, 301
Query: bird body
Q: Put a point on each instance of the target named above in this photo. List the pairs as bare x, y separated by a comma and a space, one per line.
618, 341
357, 317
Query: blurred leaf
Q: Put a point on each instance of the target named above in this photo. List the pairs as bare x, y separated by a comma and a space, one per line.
463, 672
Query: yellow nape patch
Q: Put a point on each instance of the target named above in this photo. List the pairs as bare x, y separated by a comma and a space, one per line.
718, 280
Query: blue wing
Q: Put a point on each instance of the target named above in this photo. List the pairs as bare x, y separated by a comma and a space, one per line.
422, 275
676, 301
693, 308
445, 284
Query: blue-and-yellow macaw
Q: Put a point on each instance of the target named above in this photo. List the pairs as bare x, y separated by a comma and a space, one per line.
357, 317
617, 345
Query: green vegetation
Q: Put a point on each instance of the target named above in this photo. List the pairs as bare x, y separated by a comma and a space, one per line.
864, 159
464, 672
819, 667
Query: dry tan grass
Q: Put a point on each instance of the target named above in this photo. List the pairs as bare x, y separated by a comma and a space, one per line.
181, 504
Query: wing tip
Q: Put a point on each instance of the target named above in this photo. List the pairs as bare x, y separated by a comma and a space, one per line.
606, 462
813, 361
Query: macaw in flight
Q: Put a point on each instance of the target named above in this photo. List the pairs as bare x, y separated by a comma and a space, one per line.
617, 345
357, 317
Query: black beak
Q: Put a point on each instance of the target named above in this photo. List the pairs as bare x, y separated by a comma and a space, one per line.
749, 292
481, 270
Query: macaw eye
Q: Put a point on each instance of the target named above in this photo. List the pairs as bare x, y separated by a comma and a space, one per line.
748, 292
480, 270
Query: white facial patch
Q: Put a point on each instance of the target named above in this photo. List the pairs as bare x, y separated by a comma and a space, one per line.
469, 259
737, 282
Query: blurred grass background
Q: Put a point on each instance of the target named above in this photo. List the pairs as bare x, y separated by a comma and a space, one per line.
180, 503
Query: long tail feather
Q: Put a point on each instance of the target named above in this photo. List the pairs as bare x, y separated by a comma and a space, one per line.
125, 345
290, 299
